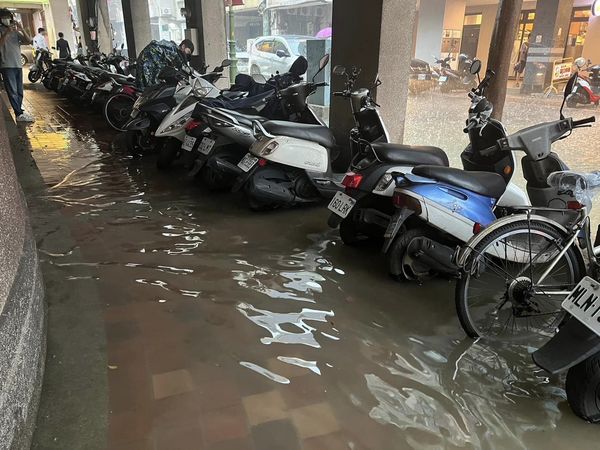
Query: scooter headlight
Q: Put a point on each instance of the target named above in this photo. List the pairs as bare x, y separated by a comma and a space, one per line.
179, 123
384, 182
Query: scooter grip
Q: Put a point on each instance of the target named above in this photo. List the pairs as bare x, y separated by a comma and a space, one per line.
578, 123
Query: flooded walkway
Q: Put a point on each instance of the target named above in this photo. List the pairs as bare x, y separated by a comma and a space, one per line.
178, 319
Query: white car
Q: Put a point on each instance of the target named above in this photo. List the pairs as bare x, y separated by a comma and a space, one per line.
271, 54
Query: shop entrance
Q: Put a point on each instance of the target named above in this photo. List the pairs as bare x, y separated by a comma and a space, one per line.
523, 32
577, 32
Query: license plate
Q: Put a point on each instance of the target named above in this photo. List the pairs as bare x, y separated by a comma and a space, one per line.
443, 79
421, 77
188, 143
206, 146
583, 303
247, 162
89, 86
341, 204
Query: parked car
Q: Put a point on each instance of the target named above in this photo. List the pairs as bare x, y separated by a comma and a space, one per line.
27, 54
271, 54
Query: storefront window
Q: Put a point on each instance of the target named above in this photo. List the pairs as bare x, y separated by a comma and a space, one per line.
473, 19
577, 32
269, 36
117, 25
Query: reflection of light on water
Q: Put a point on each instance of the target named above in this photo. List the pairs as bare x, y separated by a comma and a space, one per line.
272, 322
311, 365
267, 373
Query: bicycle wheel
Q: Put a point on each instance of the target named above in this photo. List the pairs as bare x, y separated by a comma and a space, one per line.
499, 297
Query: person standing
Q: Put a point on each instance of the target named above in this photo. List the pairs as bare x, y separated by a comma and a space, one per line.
522, 61
62, 45
39, 40
12, 35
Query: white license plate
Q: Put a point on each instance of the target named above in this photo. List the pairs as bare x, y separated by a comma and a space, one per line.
247, 162
188, 143
421, 77
443, 79
341, 204
583, 303
89, 86
206, 145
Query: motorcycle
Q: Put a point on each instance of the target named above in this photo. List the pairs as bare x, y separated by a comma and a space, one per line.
451, 80
293, 163
364, 210
439, 208
587, 89
41, 65
151, 107
227, 131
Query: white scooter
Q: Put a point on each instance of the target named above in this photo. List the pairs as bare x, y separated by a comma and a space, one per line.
172, 127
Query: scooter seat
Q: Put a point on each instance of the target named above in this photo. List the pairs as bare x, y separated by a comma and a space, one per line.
410, 155
485, 183
314, 133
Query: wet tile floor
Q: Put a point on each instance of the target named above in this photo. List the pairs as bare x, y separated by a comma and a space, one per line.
226, 329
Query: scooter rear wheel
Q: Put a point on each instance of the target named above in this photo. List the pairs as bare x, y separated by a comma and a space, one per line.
583, 389
34, 75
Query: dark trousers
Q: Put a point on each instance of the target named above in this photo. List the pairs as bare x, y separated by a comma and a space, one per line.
13, 83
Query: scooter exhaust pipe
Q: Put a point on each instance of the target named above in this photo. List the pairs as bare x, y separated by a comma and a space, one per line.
437, 256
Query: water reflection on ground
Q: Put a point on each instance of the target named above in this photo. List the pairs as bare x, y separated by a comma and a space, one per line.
268, 320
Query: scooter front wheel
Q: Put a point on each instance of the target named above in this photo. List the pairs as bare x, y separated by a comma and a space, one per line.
583, 389
34, 75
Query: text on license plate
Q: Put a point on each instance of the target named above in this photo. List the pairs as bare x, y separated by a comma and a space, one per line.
188, 143
583, 303
247, 162
341, 204
206, 145
421, 76
443, 79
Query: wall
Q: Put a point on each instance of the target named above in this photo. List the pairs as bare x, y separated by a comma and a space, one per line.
59, 20
22, 307
591, 49
488, 20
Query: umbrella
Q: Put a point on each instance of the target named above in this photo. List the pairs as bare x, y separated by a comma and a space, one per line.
324, 33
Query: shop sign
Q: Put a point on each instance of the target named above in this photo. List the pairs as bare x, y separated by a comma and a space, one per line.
596, 8
562, 71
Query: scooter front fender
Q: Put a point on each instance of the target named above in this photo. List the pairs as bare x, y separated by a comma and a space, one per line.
573, 344
140, 123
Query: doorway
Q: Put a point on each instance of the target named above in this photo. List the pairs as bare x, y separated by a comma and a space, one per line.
523, 32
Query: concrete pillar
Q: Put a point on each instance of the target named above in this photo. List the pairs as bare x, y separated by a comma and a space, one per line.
591, 49
429, 29
136, 15
547, 42
105, 37
395, 51
213, 38
382, 44
58, 20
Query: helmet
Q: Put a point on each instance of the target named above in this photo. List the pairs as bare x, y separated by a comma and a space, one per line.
580, 62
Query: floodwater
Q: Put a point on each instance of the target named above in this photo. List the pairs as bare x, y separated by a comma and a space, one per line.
227, 329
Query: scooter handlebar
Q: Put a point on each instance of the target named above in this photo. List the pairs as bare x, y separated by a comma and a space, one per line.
582, 122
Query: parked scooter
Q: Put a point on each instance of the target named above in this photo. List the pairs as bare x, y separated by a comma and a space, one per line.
587, 88
452, 80
156, 102
230, 126
41, 65
293, 164
439, 208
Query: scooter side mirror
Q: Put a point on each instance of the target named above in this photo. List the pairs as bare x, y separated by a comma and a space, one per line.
568, 90
259, 78
475, 67
322, 64
339, 70
226, 63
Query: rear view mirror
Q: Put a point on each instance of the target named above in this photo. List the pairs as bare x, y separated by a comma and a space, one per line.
324, 61
475, 67
339, 70
282, 53
570, 85
226, 63
580, 62
259, 78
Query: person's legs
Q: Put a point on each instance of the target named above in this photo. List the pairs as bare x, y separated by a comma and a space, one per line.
10, 84
19, 80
